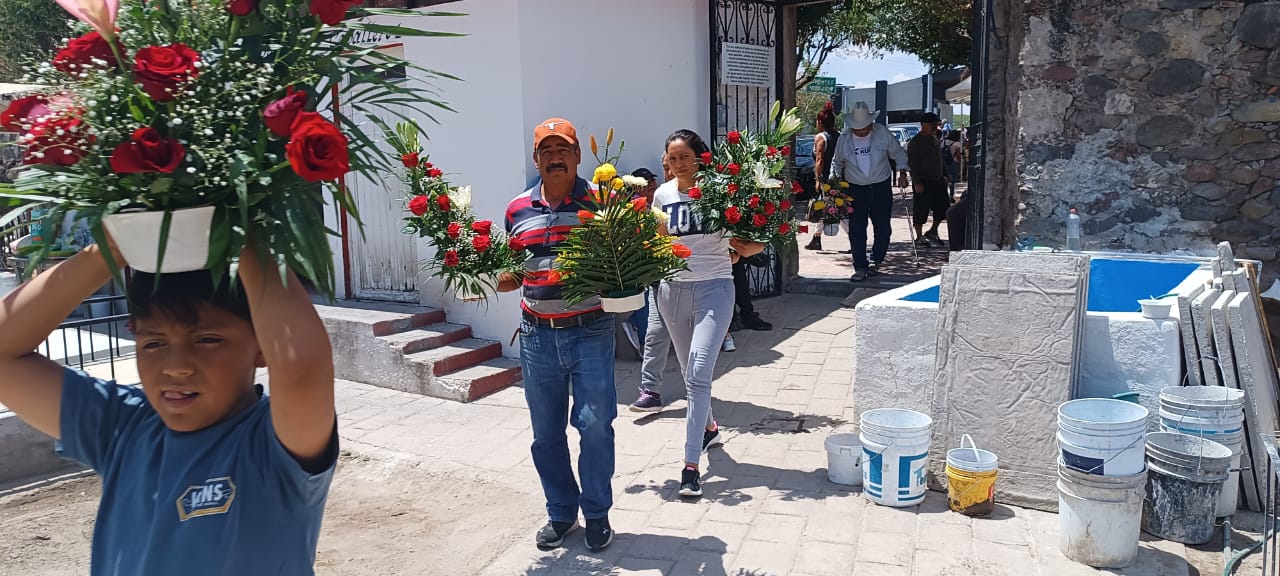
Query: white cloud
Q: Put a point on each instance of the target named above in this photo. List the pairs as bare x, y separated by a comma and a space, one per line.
900, 77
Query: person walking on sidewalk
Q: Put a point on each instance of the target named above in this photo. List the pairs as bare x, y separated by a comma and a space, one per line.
928, 180
824, 150
563, 349
697, 304
636, 324
864, 158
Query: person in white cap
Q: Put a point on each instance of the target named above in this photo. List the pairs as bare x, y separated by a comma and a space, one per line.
865, 158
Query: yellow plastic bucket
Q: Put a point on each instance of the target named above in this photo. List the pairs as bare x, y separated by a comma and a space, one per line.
971, 479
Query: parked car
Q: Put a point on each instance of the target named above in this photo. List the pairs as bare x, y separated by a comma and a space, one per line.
904, 132
804, 167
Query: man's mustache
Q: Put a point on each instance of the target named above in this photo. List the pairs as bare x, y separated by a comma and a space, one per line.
557, 166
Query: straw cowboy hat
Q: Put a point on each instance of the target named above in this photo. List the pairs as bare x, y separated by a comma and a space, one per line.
860, 117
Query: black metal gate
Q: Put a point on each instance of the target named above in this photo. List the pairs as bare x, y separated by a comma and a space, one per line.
984, 32
747, 29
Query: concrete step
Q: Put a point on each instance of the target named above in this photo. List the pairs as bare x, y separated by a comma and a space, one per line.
27, 453
484, 378
427, 337
413, 349
457, 356
382, 319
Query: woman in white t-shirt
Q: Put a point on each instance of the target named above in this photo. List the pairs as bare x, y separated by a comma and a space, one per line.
697, 305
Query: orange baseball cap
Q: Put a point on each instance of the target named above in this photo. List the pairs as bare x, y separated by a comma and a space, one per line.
557, 127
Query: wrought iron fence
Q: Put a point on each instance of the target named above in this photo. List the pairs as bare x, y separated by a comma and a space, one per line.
97, 335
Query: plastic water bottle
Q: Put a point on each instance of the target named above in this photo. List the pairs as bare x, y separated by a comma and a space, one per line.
1073, 231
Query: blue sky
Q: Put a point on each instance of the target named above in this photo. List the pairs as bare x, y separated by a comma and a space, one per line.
853, 69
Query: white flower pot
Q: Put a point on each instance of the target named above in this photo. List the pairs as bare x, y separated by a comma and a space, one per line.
1156, 309
624, 304
467, 296
831, 229
137, 234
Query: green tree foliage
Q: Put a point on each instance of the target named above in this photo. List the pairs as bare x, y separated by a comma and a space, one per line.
29, 30
936, 31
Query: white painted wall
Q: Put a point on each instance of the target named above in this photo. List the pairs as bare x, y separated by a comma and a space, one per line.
639, 67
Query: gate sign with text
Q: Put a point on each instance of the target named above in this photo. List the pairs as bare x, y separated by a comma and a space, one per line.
821, 85
746, 65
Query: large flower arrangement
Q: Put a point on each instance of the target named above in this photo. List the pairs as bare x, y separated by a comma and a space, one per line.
216, 106
835, 204
738, 191
618, 251
470, 254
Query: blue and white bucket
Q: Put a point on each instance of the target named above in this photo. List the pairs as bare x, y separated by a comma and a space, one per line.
895, 446
1102, 436
1214, 413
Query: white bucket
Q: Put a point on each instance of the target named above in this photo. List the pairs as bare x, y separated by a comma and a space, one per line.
137, 234
1228, 500
1204, 423
895, 445
971, 458
1201, 396
1102, 436
1100, 517
844, 459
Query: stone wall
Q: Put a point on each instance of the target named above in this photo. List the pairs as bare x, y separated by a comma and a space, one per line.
1156, 119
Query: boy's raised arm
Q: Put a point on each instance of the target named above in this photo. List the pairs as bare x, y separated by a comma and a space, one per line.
298, 355
30, 384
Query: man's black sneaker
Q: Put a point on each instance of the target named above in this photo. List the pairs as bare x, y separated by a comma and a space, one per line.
690, 486
755, 322
552, 535
815, 244
711, 438
735, 323
599, 534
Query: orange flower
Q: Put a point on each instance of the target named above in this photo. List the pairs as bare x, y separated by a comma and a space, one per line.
681, 250
639, 204
585, 216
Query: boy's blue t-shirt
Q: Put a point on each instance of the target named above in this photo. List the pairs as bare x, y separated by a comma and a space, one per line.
226, 500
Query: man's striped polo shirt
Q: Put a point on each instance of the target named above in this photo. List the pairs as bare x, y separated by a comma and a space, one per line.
542, 228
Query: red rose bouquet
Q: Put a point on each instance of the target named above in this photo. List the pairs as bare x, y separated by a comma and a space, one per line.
738, 191
618, 251
469, 253
185, 127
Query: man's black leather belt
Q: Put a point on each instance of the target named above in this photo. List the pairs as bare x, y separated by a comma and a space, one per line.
569, 322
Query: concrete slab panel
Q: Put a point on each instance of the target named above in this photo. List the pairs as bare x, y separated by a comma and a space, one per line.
1008, 344
1202, 324
1190, 350
1222, 337
1257, 377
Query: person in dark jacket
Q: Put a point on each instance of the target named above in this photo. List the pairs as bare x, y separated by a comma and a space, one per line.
928, 180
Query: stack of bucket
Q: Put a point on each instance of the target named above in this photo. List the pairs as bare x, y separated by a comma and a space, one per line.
895, 445
1214, 413
1101, 480
1185, 476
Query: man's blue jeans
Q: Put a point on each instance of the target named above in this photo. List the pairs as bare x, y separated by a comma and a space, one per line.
558, 362
874, 203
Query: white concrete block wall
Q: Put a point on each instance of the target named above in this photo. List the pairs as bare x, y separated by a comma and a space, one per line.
894, 349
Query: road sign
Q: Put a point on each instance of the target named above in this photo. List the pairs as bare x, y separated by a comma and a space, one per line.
821, 85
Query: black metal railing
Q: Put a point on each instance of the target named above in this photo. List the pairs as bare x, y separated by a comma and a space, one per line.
97, 335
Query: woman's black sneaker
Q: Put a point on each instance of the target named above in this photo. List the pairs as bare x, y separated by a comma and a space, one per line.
815, 244
599, 534
690, 485
552, 535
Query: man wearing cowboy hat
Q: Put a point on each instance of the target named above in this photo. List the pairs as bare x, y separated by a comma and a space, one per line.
863, 159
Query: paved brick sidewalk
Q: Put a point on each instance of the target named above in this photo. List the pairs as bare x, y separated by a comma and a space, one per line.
768, 509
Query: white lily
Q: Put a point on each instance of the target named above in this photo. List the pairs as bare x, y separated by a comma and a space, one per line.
461, 197
763, 179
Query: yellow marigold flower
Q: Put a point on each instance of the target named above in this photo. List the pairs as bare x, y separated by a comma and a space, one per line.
617, 184
844, 184
826, 187
819, 205
605, 173
839, 201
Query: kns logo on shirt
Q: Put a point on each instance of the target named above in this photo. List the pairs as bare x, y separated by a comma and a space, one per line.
212, 497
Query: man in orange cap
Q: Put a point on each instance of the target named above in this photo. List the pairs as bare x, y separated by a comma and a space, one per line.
563, 349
